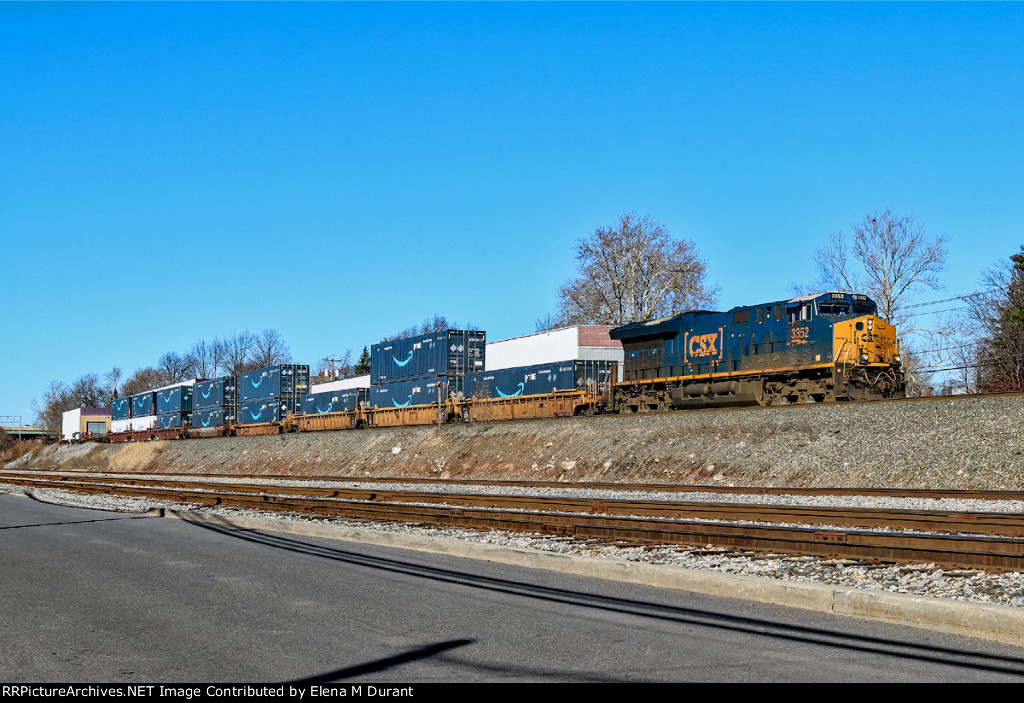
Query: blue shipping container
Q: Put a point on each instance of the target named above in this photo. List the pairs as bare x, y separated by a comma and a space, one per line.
215, 393
281, 381
144, 404
336, 402
539, 379
174, 400
251, 412
447, 353
206, 417
167, 421
121, 408
402, 394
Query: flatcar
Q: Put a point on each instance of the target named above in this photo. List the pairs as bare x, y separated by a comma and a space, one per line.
816, 348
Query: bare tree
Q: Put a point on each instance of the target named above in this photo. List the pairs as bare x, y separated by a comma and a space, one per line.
57, 399
633, 271
144, 379
206, 358
437, 323
174, 367
88, 392
111, 379
920, 378
7, 441
891, 258
546, 323
237, 353
958, 356
269, 349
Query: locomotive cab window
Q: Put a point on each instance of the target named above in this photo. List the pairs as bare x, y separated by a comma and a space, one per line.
799, 314
833, 307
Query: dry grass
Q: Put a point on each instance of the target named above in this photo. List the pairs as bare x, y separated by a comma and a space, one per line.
18, 449
134, 456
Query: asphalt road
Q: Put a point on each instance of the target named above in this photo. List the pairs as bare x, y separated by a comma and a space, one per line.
95, 596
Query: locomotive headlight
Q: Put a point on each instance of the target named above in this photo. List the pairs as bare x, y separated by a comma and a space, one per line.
864, 356
871, 323
897, 359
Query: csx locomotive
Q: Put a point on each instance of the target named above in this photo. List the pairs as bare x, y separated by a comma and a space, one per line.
815, 348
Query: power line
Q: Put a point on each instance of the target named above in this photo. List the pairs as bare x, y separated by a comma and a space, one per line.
943, 349
949, 300
997, 362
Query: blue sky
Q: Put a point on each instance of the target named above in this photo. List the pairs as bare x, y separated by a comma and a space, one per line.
171, 172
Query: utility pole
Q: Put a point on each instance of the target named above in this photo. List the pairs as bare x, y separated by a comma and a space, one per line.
332, 361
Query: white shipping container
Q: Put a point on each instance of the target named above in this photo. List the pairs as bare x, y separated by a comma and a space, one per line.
133, 424
190, 382
70, 423
589, 343
342, 385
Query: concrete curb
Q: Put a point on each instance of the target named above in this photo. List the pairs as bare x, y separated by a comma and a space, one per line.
990, 622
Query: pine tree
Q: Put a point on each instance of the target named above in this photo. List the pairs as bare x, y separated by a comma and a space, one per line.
1001, 317
363, 367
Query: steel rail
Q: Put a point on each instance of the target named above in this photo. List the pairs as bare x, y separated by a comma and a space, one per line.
955, 551
986, 523
979, 494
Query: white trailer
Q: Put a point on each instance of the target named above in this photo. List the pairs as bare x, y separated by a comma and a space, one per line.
342, 385
587, 343
133, 424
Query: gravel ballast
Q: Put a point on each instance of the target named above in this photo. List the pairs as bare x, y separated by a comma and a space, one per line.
950, 443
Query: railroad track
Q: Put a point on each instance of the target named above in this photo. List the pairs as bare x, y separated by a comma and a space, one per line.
993, 544
979, 494
998, 523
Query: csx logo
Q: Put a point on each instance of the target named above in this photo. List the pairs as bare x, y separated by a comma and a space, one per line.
705, 345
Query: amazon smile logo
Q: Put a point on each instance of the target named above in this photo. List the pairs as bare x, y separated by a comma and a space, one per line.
522, 387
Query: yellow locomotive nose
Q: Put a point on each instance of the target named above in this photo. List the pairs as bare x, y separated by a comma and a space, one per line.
865, 341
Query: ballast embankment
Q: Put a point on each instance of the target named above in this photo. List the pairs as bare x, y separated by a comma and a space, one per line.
956, 443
